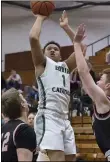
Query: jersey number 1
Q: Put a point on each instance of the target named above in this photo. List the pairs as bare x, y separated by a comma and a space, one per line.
63, 80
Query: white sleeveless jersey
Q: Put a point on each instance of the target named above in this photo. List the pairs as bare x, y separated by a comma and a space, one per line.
54, 87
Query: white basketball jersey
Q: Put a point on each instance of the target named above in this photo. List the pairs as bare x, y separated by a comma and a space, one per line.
54, 87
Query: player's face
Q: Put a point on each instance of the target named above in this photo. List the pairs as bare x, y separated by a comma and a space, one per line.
53, 52
102, 82
31, 119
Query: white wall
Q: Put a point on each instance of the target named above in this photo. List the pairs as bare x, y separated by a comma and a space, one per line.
17, 22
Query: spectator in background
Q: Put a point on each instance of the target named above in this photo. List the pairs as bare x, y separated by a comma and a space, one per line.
108, 58
14, 80
31, 117
75, 83
3, 84
30, 121
29, 95
78, 92
27, 90
75, 76
35, 90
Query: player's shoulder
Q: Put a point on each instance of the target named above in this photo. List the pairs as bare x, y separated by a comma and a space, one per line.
25, 128
25, 137
12, 124
24, 131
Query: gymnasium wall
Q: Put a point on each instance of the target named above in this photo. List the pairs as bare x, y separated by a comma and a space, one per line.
17, 22
23, 60
24, 65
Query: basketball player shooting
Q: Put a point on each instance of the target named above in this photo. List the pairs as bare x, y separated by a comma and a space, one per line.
100, 94
54, 133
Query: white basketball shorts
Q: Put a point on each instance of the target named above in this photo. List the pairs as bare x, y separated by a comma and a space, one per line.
54, 133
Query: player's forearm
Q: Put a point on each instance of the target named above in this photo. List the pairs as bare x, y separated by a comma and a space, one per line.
80, 60
69, 32
36, 29
36, 50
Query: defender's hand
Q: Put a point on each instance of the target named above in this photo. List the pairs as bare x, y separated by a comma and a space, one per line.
80, 34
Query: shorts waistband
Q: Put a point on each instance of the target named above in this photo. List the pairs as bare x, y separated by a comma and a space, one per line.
55, 114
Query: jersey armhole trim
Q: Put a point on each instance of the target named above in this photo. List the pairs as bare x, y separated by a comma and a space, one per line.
15, 132
102, 118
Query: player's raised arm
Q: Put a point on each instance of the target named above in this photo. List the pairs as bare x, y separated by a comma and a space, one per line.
71, 61
95, 92
64, 23
37, 54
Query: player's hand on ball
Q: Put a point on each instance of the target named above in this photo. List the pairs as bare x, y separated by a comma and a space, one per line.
41, 16
80, 34
64, 20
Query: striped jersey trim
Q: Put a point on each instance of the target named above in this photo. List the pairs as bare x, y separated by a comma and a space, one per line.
43, 91
104, 116
15, 132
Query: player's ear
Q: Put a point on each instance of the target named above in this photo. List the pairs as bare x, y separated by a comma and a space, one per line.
22, 104
107, 86
25, 107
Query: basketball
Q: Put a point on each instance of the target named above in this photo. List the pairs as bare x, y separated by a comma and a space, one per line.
44, 8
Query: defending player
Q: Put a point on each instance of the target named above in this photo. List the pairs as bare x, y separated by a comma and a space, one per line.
18, 139
100, 94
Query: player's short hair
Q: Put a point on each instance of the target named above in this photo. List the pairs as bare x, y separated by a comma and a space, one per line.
52, 42
11, 104
107, 72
